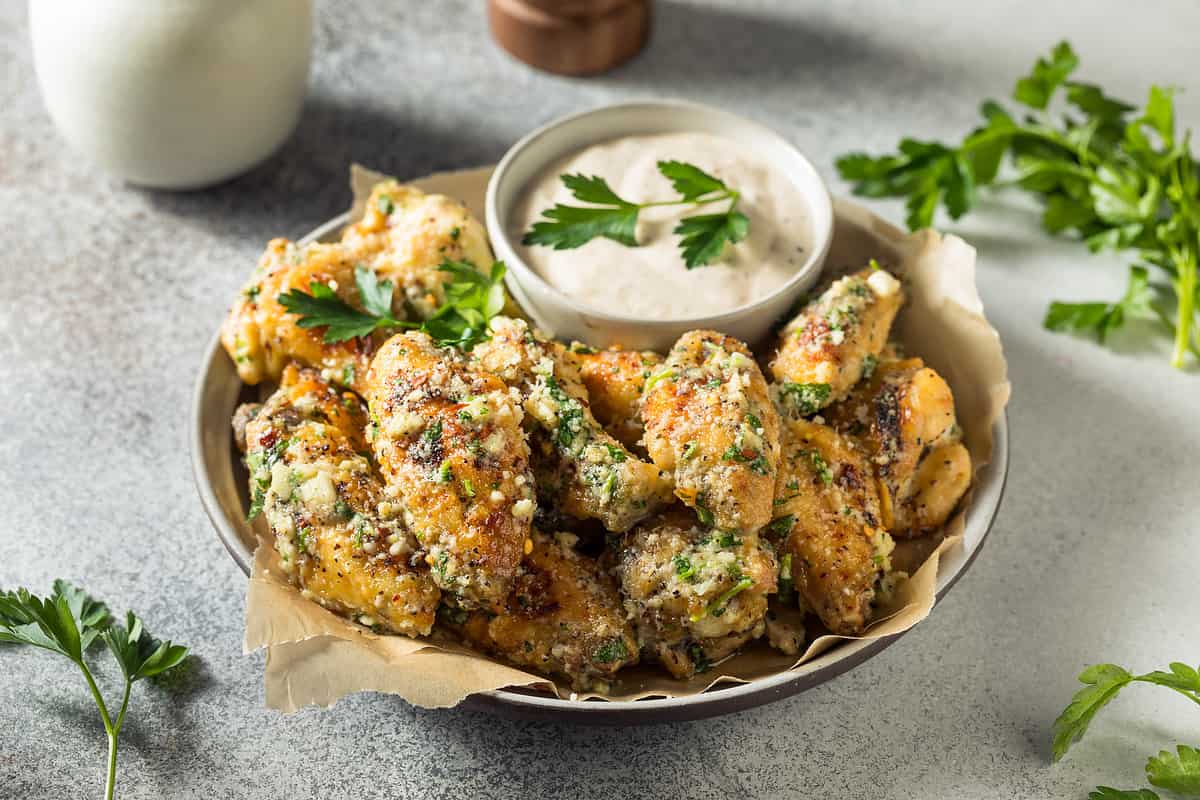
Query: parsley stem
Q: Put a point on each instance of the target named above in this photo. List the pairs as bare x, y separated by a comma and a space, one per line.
698, 201
1185, 269
113, 733
111, 779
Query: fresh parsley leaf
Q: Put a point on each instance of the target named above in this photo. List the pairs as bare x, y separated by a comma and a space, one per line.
320, 307
610, 651
781, 526
1104, 318
67, 622
1109, 793
610, 216
1036, 88
1107, 173
376, 295
1178, 772
689, 180
1181, 678
805, 398
705, 236
1102, 683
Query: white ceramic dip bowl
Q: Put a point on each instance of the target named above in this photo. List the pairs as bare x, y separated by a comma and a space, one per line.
568, 318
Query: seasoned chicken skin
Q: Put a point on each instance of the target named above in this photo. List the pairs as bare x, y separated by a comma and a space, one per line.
614, 380
827, 529
562, 617
406, 234
593, 475
835, 340
448, 441
695, 595
905, 416
710, 422
262, 337
338, 536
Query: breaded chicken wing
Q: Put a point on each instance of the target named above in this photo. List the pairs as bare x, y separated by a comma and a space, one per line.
614, 380
449, 443
262, 337
905, 416
339, 538
827, 529
405, 235
562, 617
595, 476
710, 422
695, 595
834, 340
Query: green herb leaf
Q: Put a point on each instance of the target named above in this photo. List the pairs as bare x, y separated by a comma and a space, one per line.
376, 295
610, 651
1036, 88
705, 236
1103, 682
1179, 771
138, 653
320, 307
1104, 318
1109, 793
567, 227
805, 398
690, 181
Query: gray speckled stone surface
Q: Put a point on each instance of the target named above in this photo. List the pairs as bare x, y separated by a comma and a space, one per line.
111, 292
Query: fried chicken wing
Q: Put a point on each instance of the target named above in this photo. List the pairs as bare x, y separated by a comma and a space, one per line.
834, 340
405, 235
695, 595
905, 416
710, 422
614, 380
448, 440
827, 529
262, 337
339, 538
562, 617
593, 476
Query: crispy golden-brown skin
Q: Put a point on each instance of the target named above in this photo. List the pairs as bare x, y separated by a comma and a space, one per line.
829, 345
338, 536
405, 235
827, 527
614, 380
592, 475
262, 337
448, 441
562, 617
695, 595
710, 422
905, 416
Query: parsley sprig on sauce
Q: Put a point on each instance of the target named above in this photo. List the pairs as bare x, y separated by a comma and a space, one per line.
472, 299
702, 237
68, 622
1107, 173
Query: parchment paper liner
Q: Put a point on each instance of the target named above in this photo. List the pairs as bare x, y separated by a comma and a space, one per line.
317, 657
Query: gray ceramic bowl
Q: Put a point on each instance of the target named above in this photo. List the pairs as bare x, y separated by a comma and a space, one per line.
221, 481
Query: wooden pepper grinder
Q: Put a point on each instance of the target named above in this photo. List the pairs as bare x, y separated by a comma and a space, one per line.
571, 37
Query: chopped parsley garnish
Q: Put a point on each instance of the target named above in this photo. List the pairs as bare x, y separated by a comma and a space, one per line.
615, 453
728, 539
689, 450
385, 205
780, 526
610, 651
684, 568
704, 515
805, 398
445, 472
653, 380
819, 466
717, 607
468, 487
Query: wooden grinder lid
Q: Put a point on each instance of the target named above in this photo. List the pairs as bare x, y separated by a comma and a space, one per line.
571, 37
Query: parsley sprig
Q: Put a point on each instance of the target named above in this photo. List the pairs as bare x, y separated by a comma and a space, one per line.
68, 622
1178, 772
472, 299
702, 237
1107, 173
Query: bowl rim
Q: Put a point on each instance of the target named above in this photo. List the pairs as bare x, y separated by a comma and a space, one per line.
520, 272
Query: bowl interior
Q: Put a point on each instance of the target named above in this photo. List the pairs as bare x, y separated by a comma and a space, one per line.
530, 156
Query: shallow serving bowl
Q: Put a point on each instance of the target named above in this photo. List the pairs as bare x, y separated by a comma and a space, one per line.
566, 318
222, 483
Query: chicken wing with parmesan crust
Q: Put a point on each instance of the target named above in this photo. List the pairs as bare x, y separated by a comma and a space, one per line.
695, 594
406, 234
835, 340
827, 529
594, 475
710, 422
614, 380
262, 337
562, 617
905, 416
338, 536
449, 443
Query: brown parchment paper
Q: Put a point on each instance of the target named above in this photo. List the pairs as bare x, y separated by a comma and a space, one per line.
315, 657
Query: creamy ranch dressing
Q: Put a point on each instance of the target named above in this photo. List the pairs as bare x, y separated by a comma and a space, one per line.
651, 281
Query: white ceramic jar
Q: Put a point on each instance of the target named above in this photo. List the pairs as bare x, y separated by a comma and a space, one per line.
173, 94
